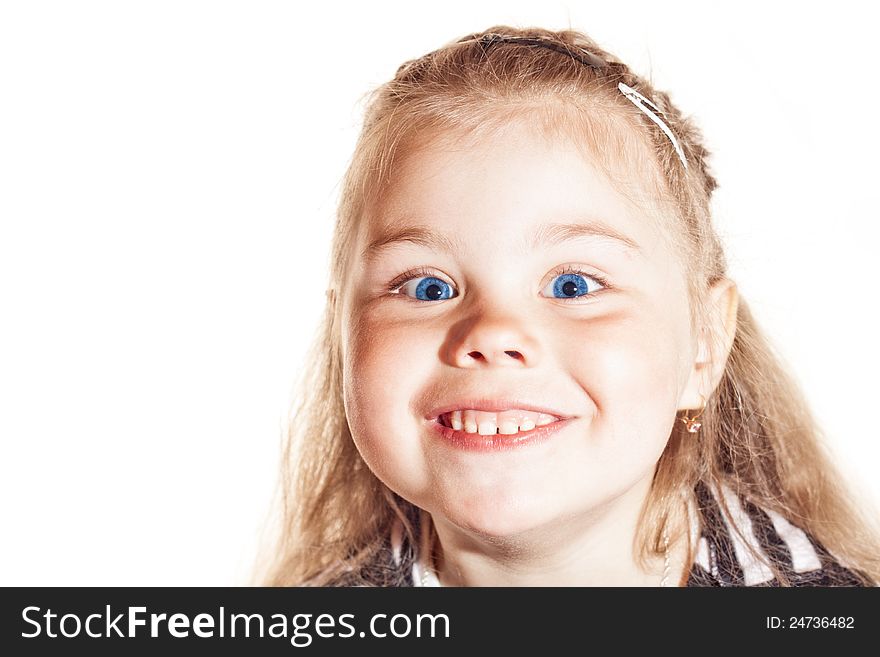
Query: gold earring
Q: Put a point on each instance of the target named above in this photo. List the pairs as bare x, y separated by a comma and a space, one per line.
692, 423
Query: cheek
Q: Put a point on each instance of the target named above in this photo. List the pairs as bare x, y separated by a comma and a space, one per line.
633, 357
632, 372
383, 363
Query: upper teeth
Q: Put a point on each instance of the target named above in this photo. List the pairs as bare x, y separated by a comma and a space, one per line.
487, 423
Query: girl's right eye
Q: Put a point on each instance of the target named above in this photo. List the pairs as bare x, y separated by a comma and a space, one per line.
427, 288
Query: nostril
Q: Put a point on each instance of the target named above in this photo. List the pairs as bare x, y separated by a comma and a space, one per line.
477, 355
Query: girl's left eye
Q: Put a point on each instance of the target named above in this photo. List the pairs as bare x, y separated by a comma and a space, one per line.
571, 284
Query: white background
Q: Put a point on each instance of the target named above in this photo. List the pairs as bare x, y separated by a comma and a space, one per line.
168, 176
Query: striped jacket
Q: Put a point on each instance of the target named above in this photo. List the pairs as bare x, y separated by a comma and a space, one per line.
722, 556
723, 559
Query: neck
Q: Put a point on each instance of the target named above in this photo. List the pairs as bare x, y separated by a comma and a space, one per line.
595, 549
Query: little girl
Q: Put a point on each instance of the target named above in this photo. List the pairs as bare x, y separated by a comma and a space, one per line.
533, 369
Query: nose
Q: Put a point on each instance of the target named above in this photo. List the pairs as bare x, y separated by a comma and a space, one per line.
492, 342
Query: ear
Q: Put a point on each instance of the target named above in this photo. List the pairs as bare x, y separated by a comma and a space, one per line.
713, 344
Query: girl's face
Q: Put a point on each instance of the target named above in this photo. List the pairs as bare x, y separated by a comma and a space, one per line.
511, 276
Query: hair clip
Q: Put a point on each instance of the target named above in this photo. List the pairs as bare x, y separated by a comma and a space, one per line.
642, 103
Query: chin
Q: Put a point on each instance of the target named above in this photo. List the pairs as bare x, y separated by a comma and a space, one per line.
500, 519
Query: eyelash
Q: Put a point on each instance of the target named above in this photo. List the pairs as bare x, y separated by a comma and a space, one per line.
419, 272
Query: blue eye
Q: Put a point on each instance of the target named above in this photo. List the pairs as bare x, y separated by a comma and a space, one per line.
571, 285
429, 288
567, 283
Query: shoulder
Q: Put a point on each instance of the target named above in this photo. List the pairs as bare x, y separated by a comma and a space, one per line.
379, 567
390, 562
747, 545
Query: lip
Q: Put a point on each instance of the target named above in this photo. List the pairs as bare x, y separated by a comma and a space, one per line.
495, 406
475, 442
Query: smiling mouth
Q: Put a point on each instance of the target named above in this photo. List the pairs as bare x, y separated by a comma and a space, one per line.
489, 438
486, 423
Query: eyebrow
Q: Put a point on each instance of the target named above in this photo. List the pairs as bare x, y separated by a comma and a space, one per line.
553, 234
546, 235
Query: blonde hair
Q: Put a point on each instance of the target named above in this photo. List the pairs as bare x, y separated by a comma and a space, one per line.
758, 436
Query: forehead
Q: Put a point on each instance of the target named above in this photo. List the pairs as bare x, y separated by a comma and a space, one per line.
515, 183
